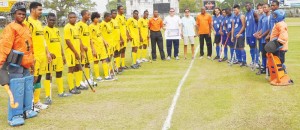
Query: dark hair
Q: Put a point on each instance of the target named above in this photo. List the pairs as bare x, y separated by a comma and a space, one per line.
113, 10
135, 11
95, 15
267, 4
71, 13
248, 3
155, 10
83, 12
214, 12
223, 10
34, 5
276, 2
51, 15
106, 14
186, 9
259, 4
236, 6
146, 11
119, 7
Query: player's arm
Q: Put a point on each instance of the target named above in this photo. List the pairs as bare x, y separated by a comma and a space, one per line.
210, 25
92, 43
243, 26
6, 44
256, 17
128, 29
180, 26
232, 30
221, 28
70, 45
140, 25
283, 34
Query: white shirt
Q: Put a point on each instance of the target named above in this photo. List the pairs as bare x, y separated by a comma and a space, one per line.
172, 27
188, 26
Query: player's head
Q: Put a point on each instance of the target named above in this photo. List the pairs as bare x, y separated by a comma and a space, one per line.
107, 17
113, 13
155, 13
203, 10
278, 15
135, 14
187, 12
146, 14
95, 17
275, 5
120, 9
85, 15
35, 9
216, 11
259, 8
72, 18
236, 9
18, 11
172, 11
51, 19
266, 8
228, 11
248, 6
224, 12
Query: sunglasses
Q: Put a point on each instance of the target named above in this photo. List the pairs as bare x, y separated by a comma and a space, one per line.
172, 11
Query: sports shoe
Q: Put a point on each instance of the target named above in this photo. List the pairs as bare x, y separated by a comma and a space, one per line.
16, 121
75, 91
64, 94
257, 66
36, 109
201, 57
168, 58
217, 57
81, 88
108, 78
83, 84
177, 58
208, 57
134, 66
99, 79
48, 101
138, 61
145, 60
40, 106
243, 64
30, 114
225, 59
91, 83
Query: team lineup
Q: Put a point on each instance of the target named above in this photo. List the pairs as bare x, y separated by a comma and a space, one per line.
30, 52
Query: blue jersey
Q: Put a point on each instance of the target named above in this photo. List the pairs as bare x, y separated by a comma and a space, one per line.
238, 25
251, 25
217, 23
259, 22
265, 26
223, 25
228, 22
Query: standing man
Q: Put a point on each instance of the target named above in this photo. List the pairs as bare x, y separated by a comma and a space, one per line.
238, 35
144, 35
134, 36
155, 25
229, 26
188, 29
217, 20
41, 54
117, 36
204, 26
123, 41
251, 27
274, 7
16, 41
223, 34
172, 26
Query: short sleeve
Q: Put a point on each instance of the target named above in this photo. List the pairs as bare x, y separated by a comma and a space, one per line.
67, 33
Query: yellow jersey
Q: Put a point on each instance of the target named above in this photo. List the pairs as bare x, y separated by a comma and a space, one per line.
106, 31
132, 26
144, 28
84, 33
116, 29
122, 23
72, 33
52, 39
37, 34
96, 35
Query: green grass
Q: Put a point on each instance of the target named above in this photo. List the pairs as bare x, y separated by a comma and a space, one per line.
214, 96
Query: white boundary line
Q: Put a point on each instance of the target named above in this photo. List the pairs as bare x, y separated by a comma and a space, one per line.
167, 123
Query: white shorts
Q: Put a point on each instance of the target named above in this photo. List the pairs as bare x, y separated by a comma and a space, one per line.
188, 39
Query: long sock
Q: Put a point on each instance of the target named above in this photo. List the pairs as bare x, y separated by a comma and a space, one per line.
60, 85
78, 78
96, 70
144, 53
257, 55
37, 93
264, 62
238, 53
225, 52
218, 50
47, 87
87, 72
123, 61
71, 80
243, 56
138, 54
231, 52
134, 55
252, 53
105, 69
118, 61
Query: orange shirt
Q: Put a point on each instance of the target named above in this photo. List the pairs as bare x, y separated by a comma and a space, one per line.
204, 23
16, 37
280, 33
155, 24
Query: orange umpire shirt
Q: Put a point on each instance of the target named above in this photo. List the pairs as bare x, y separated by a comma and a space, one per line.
155, 24
204, 23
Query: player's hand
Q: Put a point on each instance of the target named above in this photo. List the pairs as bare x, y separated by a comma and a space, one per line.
228, 34
32, 68
232, 40
53, 56
259, 36
221, 32
209, 34
85, 48
64, 60
238, 35
49, 57
82, 55
141, 39
77, 56
94, 52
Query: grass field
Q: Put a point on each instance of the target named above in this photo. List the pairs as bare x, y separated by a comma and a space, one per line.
214, 96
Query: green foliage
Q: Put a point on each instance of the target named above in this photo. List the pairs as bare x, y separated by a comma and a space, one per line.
114, 3
191, 4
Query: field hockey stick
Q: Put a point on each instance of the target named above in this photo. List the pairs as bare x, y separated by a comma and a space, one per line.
91, 71
113, 68
149, 52
86, 77
12, 103
108, 58
222, 49
234, 53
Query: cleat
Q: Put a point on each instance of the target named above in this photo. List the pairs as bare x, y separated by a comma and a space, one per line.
177, 58
40, 106
243, 64
109, 79
99, 79
217, 57
48, 101
64, 94
30, 114
168, 58
134, 66
145, 60
208, 57
75, 91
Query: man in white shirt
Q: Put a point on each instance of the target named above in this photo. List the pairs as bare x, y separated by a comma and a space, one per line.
188, 29
172, 26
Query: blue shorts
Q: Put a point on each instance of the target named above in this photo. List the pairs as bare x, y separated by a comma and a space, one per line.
251, 41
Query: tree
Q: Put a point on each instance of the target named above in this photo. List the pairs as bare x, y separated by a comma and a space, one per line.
62, 7
193, 5
230, 3
112, 4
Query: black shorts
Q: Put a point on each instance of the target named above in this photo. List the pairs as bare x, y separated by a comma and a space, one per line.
240, 42
217, 39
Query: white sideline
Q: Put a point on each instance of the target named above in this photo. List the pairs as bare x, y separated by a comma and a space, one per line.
167, 123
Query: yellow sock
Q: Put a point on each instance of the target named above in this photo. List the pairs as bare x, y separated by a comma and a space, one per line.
105, 69
144, 53
60, 85
138, 53
36, 95
78, 78
96, 70
118, 62
47, 87
71, 80
134, 55
123, 62
87, 72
